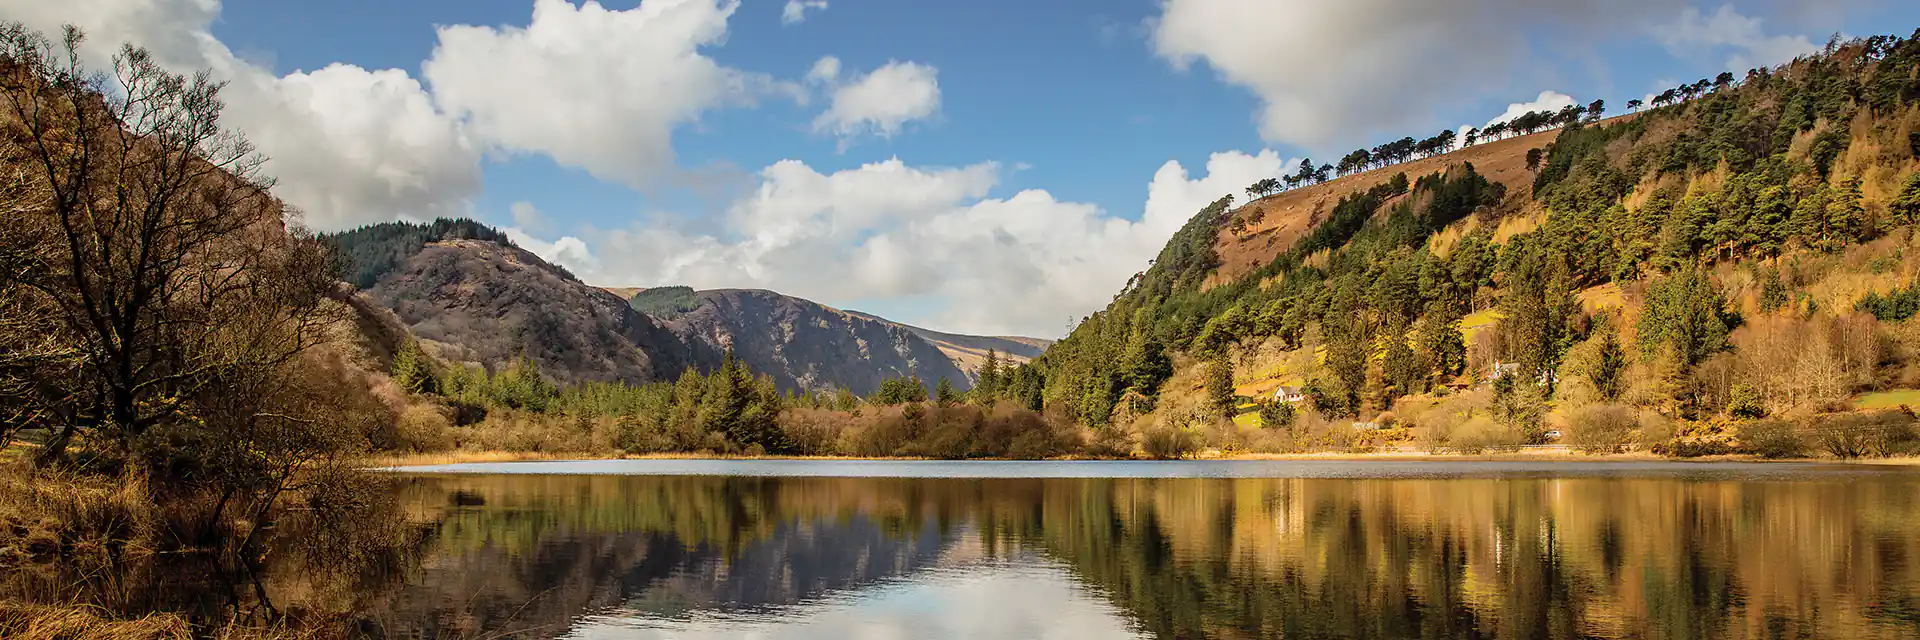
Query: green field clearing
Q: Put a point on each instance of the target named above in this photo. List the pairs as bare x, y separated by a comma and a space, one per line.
1886, 399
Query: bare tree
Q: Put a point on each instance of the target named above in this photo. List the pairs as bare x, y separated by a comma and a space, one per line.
147, 240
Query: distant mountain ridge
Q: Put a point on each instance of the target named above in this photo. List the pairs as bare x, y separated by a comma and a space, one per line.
473, 297
805, 344
801, 344
970, 351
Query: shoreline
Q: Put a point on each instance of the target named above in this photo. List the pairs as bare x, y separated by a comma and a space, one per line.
1541, 455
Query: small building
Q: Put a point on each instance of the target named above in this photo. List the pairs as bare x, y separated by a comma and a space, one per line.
1366, 426
1289, 394
1504, 369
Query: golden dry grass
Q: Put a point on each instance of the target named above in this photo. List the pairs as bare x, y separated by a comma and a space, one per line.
1288, 216
28, 622
79, 622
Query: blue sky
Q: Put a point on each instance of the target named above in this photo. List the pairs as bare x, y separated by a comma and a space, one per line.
997, 166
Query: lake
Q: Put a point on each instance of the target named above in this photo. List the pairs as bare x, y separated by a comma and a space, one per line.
1295, 549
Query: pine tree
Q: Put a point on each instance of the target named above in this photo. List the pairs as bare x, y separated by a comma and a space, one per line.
1773, 290
1810, 221
725, 400
1846, 218
1347, 359
1442, 347
1145, 364
1686, 313
1905, 207
759, 425
844, 400
410, 368
989, 384
1220, 388
1276, 415
1028, 389
1539, 305
1605, 370
1400, 367
943, 394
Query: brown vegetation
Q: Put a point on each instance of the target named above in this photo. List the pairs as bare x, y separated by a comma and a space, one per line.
1277, 221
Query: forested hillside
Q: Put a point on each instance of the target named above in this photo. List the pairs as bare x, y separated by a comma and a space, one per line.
369, 252
1676, 275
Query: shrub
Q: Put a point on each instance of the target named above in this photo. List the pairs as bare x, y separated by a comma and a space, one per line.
1170, 438
423, 427
813, 432
1746, 402
1481, 435
1276, 415
1858, 435
1771, 439
1168, 442
1602, 428
1701, 438
1110, 443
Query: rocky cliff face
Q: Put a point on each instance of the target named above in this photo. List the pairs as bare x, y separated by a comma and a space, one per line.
806, 345
486, 303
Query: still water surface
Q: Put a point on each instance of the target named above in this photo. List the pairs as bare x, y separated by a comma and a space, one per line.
805, 549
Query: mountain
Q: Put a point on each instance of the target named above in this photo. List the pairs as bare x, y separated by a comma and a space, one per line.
475, 298
807, 345
970, 352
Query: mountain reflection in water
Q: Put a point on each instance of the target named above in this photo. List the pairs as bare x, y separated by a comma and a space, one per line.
532, 556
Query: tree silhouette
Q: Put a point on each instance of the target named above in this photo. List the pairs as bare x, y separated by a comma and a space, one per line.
1262, 187
1634, 104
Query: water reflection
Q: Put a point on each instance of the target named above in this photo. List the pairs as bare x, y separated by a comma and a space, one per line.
1648, 557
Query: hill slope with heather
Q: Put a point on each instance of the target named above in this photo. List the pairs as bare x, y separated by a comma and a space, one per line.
1740, 252
487, 303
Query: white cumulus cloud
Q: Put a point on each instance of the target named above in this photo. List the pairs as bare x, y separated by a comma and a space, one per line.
593, 88
1550, 101
878, 103
348, 145
1744, 38
796, 10
824, 71
1327, 70
1028, 263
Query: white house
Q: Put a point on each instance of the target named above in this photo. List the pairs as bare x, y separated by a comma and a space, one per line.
1504, 369
1289, 394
